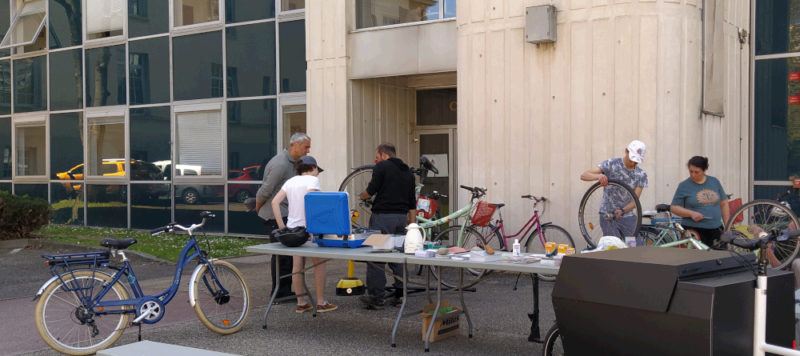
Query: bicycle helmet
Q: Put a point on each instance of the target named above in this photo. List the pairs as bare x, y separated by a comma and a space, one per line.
293, 237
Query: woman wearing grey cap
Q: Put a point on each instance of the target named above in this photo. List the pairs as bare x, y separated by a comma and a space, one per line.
295, 190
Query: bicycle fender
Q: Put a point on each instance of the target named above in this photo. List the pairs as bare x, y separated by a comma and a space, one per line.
53, 280
194, 275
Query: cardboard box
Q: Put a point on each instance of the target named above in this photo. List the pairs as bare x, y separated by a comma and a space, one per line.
446, 325
384, 241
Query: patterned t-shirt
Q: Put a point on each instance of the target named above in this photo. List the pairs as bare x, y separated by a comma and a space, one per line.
703, 198
613, 197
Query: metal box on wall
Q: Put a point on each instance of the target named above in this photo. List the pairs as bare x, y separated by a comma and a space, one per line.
540, 24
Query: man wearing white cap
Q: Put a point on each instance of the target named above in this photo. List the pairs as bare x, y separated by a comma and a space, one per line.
625, 170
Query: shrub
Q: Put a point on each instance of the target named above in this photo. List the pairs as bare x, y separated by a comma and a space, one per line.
19, 215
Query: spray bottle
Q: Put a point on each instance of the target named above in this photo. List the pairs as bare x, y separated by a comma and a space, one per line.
515, 250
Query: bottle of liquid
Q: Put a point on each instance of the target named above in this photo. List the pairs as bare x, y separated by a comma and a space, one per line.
515, 248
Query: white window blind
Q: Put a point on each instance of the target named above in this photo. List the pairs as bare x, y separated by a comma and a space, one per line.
200, 140
104, 16
27, 24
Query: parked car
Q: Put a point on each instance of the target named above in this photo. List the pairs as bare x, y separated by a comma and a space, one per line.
195, 194
239, 192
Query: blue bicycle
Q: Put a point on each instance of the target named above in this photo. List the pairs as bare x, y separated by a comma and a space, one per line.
87, 304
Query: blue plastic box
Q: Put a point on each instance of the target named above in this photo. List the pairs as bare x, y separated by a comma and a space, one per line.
327, 213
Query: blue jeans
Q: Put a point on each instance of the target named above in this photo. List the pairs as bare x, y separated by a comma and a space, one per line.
376, 276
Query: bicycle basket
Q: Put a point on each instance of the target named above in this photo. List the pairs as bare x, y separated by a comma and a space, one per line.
426, 207
483, 213
733, 206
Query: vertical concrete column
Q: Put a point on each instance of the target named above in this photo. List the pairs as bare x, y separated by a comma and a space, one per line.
328, 92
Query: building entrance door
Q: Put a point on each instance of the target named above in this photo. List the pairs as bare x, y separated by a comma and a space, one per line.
438, 146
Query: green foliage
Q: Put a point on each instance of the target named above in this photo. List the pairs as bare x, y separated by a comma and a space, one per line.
164, 246
19, 215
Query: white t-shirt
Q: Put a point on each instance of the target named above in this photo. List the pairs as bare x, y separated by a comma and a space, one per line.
296, 189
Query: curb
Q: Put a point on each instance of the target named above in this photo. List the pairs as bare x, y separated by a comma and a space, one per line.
45, 242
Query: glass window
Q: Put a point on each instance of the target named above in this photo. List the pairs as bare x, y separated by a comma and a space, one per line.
246, 10
67, 203
30, 89
65, 23
777, 119
449, 9
106, 147
150, 142
31, 149
150, 205
190, 200
107, 205
293, 56
199, 143
294, 120
149, 70
251, 60
437, 107
197, 66
6, 187
252, 137
31, 190
5, 22
5, 87
66, 146
372, 13
190, 12
776, 26
26, 29
239, 219
105, 76
289, 5
5, 148
66, 74
147, 17
104, 18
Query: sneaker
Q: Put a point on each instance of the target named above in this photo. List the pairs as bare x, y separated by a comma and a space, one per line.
370, 302
395, 301
326, 307
302, 308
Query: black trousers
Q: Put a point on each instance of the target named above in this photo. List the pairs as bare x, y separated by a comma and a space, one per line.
285, 267
376, 276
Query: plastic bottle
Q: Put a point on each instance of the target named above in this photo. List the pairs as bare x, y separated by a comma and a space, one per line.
515, 250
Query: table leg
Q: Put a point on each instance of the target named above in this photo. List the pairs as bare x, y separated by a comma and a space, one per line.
461, 297
428, 283
435, 310
402, 305
277, 272
534, 317
308, 293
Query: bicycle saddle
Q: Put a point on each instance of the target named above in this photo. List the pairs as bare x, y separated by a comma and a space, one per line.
662, 208
120, 244
498, 206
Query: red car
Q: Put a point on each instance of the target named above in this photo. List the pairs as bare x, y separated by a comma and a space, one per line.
241, 191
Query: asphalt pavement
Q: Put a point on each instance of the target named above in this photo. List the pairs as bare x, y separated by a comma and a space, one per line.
499, 314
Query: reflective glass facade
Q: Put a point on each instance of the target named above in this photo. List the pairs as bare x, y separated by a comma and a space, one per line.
153, 116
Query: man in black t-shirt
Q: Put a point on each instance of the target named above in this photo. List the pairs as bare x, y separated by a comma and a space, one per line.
394, 207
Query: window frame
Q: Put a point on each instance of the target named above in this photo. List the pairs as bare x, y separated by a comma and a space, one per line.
441, 18
104, 41
288, 15
192, 106
30, 120
176, 30
16, 16
98, 113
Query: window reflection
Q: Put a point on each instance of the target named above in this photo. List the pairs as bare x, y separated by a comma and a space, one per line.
30, 142
190, 12
372, 13
147, 17
199, 144
5, 87
247, 10
150, 142
67, 205
777, 119
240, 219
289, 5
191, 200
149, 70
65, 18
250, 52
104, 18
252, 138
197, 66
66, 87
5, 148
293, 56
106, 147
107, 205
29, 84
105, 76
66, 147
31, 190
150, 205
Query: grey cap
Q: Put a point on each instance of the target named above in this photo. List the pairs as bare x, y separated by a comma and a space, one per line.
310, 160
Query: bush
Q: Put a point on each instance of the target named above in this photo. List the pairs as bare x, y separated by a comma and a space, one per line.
19, 215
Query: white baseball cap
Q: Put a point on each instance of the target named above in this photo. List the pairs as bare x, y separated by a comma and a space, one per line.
636, 151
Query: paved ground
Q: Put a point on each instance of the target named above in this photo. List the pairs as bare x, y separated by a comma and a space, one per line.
499, 315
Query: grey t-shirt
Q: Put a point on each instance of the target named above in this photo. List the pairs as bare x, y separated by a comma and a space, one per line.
615, 198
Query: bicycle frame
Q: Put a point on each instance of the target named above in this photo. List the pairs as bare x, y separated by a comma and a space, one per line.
428, 224
534, 220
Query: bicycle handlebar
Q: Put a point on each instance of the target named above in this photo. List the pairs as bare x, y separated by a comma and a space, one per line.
760, 241
534, 198
205, 215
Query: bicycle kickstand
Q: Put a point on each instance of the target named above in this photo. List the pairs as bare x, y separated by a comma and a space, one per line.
517, 281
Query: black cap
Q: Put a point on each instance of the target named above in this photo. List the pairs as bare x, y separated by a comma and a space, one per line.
310, 160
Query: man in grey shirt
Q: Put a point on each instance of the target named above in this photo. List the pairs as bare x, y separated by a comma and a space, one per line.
277, 171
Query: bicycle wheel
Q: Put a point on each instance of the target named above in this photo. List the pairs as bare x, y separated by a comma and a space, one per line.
656, 235
449, 237
553, 343
550, 233
222, 311
355, 183
764, 216
68, 325
491, 236
596, 213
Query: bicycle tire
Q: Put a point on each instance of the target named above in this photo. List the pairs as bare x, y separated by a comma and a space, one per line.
449, 236
222, 314
553, 233
354, 184
589, 213
766, 215
57, 308
491, 236
649, 235
553, 344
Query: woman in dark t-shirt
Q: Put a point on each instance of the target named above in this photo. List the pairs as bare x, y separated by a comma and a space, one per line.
701, 202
